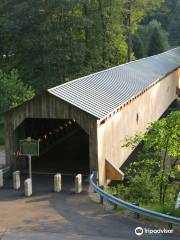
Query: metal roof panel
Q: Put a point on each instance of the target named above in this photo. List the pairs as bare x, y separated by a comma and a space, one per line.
100, 93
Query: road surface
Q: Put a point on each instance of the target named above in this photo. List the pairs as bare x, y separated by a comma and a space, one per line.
65, 215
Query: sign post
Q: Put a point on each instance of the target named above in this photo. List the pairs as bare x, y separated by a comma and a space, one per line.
29, 147
30, 168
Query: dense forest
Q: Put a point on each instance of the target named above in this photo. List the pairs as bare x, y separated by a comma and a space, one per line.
44, 43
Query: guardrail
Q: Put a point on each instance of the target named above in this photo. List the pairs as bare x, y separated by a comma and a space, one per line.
131, 207
5, 169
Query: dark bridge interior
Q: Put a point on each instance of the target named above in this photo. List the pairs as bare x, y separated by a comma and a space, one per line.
64, 145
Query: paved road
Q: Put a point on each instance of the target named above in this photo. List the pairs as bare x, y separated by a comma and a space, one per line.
65, 216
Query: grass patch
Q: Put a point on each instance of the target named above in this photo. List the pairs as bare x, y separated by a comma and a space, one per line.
121, 193
167, 208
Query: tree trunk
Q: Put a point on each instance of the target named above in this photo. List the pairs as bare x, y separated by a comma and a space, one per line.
103, 32
86, 32
163, 165
129, 34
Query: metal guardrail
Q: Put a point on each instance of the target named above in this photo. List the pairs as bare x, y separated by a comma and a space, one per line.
131, 207
5, 169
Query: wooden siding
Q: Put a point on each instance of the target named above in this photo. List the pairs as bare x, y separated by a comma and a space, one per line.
48, 106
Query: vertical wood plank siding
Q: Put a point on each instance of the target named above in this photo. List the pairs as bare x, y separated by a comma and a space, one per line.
48, 106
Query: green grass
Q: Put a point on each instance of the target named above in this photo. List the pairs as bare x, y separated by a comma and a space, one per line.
167, 208
177, 176
157, 208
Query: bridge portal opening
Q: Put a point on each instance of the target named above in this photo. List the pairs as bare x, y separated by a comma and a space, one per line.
64, 146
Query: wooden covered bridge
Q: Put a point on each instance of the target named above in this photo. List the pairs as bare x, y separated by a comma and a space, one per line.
82, 124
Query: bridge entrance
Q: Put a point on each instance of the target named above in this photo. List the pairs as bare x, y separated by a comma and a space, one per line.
64, 146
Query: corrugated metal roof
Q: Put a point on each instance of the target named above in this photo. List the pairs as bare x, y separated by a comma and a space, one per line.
102, 92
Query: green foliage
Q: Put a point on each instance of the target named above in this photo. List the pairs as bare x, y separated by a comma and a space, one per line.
153, 38
138, 9
167, 208
156, 42
143, 189
1, 132
13, 90
12, 93
174, 25
159, 155
138, 46
168, 16
133, 11
51, 42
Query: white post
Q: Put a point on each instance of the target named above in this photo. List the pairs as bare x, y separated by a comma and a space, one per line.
28, 187
57, 182
1, 179
78, 183
16, 180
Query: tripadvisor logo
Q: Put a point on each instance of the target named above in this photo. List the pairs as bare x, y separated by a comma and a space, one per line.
139, 231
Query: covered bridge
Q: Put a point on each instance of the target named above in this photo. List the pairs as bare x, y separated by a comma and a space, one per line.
82, 124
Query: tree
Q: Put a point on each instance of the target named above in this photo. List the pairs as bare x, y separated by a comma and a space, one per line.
168, 16
174, 25
156, 44
160, 152
52, 42
154, 38
13, 91
133, 12
138, 46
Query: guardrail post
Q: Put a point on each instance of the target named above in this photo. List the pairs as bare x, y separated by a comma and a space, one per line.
16, 180
28, 187
78, 183
136, 214
169, 224
115, 205
1, 179
57, 182
101, 198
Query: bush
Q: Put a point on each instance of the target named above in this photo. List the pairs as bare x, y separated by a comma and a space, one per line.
143, 188
13, 90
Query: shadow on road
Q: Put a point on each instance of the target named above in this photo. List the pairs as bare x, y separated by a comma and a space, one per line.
65, 213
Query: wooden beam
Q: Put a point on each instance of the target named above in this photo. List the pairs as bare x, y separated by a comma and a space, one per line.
113, 172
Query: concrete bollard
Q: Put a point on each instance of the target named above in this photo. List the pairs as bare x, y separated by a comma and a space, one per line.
1, 179
16, 180
78, 183
57, 182
28, 187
